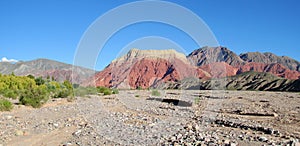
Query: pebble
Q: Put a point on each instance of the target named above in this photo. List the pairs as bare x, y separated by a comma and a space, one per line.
19, 133
55, 125
8, 117
263, 139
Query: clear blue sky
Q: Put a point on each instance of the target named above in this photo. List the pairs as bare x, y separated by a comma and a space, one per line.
31, 29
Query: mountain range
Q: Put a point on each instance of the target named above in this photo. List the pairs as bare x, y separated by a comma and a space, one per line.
154, 68
47, 68
203, 68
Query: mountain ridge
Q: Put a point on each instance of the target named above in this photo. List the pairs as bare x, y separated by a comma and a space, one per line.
45, 67
152, 68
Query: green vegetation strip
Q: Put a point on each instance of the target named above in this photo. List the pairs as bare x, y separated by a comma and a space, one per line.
35, 92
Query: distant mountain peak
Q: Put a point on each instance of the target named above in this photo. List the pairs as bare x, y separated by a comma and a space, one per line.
207, 55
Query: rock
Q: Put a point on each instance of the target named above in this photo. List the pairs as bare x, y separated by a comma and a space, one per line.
55, 125
19, 133
197, 128
173, 138
8, 117
189, 127
77, 133
263, 139
233, 144
206, 139
226, 141
179, 136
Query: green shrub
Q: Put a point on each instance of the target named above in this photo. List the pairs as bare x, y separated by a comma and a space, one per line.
197, 100
104, 90
137, 96
155, 93
39, 81
5, 105
101, 89
83, 91
35, 97
115, 91
107, 92
139, 88
10, 94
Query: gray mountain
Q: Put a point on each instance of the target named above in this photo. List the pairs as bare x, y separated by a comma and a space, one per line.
44, 67
208, 55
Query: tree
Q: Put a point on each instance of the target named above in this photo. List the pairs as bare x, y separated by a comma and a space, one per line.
39, 81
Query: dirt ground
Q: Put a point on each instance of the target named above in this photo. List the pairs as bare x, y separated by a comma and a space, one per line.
176, 117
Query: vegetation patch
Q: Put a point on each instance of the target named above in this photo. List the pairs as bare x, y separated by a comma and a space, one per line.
5, 105
155, 93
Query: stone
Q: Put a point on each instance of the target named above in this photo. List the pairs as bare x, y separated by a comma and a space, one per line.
8, 117
55, 125
226, 141
179, 136
173, 138
19, 133
197, 128
263, 139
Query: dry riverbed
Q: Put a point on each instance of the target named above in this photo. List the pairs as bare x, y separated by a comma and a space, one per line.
135, 117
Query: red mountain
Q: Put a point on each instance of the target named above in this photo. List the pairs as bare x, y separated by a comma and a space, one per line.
146, 68
149, 68
274, 68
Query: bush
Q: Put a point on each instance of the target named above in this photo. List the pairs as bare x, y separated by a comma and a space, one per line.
10, 94
35, 97
155, 93
107, 92
39, 81
5, 105
104, 90
83, 91
101, 89
115, 91
136, 96
197, 100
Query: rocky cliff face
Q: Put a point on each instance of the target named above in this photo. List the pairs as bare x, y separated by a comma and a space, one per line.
152, 68
269, 58
273, 68
146, 68
208, 55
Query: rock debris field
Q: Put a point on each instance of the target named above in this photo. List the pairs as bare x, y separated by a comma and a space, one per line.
176, 117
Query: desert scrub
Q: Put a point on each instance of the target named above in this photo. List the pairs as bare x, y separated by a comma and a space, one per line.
197, 100
5, 105
84, 91
137, 96
107, 92
115, 91
35, 97
10, 94
155, 93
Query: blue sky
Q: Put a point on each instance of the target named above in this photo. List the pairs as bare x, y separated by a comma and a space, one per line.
52, 29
